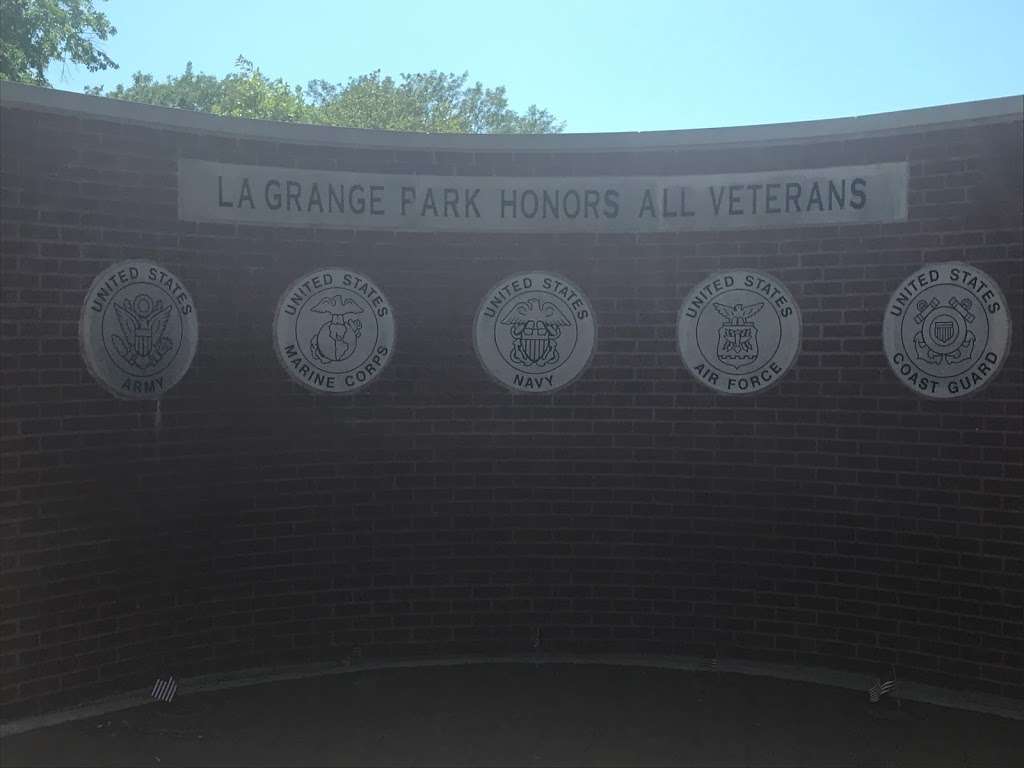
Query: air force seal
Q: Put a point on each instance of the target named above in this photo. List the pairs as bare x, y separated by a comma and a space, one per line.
739, 332
534, 332
138, 330
334, 330
946, 330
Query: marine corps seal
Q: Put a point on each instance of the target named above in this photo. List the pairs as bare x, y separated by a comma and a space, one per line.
138, 330
946, 330
334, 330
739, 331
534, 332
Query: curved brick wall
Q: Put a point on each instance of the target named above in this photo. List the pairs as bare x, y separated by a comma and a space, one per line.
837, 519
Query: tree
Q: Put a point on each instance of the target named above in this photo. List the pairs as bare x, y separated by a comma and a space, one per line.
434, 101
34, 33
247, 92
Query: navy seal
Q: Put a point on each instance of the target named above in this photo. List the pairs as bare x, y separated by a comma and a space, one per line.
535, 332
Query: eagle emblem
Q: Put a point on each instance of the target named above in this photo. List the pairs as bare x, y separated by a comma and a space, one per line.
737, 336
143, 322
535, 328
336, 339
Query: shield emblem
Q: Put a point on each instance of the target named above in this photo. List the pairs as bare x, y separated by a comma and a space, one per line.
534, 341
737, 344
535, 327
944, 331
534, 350
143, 339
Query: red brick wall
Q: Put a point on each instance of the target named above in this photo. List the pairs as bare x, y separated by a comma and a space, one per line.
837, 519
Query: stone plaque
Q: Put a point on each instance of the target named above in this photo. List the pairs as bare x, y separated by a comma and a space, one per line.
535, 332
739, 331
295, 197
334, 330
947, 330
138, 329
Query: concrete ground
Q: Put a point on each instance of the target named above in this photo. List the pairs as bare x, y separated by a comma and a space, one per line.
527, 715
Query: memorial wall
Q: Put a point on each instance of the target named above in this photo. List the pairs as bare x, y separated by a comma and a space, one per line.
279, 394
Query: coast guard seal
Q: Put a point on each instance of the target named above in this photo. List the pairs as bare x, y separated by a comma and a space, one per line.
138, 331
534, 332
739, 331
946, 330
334, 330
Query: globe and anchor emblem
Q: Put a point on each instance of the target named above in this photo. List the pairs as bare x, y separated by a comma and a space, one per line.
535, 327
334, 330
336, 339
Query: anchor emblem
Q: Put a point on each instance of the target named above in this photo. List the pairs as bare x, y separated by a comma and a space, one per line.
944, 337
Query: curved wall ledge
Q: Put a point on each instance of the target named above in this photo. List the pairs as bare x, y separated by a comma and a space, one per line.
988, 110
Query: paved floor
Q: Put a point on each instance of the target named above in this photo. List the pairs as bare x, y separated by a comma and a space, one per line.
527, 715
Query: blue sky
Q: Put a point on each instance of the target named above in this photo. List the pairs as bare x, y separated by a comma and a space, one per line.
626, 65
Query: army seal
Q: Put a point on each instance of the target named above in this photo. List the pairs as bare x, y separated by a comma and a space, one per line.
334, 330
739, 331
138, 330
946, 330
534, 332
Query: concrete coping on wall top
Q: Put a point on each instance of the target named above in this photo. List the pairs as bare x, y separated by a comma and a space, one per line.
1010, 108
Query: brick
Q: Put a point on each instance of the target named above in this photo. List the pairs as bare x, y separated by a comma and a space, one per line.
836, 519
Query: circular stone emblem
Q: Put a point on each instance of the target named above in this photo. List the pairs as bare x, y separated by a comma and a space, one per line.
946, 330
739, 331
334, 330
138, 330
534, 332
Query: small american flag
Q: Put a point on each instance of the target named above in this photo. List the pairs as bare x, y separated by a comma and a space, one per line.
879, 689
164, 690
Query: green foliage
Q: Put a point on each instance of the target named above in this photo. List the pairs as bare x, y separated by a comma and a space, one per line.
434, 102
247, 92
34, 33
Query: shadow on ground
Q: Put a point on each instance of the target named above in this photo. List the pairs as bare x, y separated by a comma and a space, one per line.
523, 715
